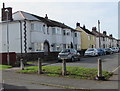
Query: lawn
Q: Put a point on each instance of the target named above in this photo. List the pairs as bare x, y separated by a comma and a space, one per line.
5, 66
72, 72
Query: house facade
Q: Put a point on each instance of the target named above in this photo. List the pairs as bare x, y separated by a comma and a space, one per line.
31, 33
88, 40
103, 40
118, 43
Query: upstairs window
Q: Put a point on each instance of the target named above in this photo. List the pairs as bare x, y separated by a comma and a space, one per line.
47, 30
64, 33
88, 37
68, 33
53, 31
44, 29
32, 26
39, 27
75, 34
58, 31
103, 38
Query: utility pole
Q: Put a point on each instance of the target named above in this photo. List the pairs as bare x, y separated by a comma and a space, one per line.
8, 56
99, 33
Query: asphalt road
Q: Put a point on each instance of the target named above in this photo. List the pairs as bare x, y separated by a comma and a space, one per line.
110, 62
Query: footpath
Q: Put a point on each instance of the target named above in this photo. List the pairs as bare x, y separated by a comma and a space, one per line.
65, 83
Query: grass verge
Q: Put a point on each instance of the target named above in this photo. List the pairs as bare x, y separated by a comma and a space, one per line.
72, 72
5, 66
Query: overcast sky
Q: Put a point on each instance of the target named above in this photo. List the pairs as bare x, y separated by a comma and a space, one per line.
70, 13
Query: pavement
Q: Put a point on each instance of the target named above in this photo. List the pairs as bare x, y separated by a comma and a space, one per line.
34, 81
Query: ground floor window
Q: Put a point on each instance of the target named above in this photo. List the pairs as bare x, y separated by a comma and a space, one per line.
38, 46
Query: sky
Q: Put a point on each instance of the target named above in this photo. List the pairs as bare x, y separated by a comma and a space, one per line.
70, 12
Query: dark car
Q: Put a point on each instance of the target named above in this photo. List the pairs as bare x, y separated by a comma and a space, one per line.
108, 51
69, 54
104, 50
101, 51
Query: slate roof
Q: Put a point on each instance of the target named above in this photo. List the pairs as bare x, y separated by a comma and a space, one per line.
87, 31
21, 15
96, 33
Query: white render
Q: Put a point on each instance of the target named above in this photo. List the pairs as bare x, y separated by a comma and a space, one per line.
37, 33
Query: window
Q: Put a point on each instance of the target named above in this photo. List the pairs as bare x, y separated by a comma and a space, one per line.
75, 34
53, 31
58, 31
32, 26
47, 30
64, 46
39, 27
44, 29
64, 32
58, 47
88, 37
68, 33
38, 46
103, 38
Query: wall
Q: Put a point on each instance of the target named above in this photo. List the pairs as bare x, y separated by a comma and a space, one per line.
14, 37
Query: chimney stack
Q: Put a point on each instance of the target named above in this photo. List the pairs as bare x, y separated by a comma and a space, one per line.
84, 27
6, 13
94, 29
77, 24
46, 17
104, 32
110, 35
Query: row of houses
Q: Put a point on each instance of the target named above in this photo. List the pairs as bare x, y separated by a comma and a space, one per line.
23, 32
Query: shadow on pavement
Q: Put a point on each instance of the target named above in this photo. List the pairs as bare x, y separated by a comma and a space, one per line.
7, 87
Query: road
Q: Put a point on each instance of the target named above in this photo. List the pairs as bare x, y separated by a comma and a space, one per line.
31, 81
110, 62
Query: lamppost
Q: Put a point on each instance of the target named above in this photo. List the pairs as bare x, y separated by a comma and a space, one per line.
8, 56
99, 33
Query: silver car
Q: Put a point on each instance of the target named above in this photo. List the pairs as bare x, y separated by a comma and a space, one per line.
69, 54
91, 52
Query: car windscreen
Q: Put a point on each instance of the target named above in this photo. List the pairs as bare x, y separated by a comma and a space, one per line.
65, 51
90, 50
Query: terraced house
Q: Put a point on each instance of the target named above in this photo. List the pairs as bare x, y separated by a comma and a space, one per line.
31, 33
88, 39
105, 40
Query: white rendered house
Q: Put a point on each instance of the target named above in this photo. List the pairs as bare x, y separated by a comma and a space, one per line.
31, 33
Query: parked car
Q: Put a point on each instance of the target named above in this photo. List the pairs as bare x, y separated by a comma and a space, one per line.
108, 51
91, 52
69, 54
115, 49
100, 51
104, 50
112, 50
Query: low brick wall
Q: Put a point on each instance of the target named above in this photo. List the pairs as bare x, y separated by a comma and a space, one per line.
35, 55
12, 58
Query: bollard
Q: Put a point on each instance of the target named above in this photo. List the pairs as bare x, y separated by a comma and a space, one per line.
21, 64
100, 76
99, 67
39, 66
63, 67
